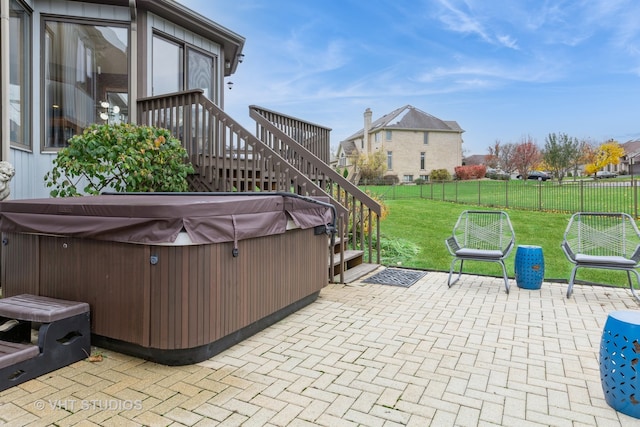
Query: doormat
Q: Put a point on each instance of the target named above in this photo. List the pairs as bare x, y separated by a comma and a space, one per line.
396, 277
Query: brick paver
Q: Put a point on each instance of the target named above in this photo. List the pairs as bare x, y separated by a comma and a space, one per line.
368, 355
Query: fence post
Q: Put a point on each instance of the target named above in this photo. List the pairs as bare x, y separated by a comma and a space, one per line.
506, 193
582, 196
540, 195
635, 197
479, 193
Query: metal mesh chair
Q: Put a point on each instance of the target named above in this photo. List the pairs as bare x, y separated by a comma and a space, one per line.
481, 236
602, 240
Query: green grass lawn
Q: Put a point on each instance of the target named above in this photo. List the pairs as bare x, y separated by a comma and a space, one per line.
427, 223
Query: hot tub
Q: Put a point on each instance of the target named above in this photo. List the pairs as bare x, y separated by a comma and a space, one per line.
171, 278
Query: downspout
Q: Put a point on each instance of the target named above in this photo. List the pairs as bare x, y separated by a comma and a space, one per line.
5, 70
133, 64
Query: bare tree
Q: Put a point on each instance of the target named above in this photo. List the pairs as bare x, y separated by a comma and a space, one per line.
492, 160
582, 156
507, 158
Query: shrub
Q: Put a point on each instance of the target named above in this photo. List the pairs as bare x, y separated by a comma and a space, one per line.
122, 157
470, 172
440, 175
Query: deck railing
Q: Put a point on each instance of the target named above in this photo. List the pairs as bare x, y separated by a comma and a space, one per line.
314, 138
226, 157
363, 222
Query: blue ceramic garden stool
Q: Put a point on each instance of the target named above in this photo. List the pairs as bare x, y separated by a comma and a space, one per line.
619, 357
529, 267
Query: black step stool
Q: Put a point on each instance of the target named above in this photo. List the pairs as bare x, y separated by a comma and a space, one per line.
64, 336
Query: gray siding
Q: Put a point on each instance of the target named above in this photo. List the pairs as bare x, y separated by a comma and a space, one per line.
31, 166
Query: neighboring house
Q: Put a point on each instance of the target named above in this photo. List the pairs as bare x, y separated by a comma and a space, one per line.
414, 143
630, 162
475, 159
67, 64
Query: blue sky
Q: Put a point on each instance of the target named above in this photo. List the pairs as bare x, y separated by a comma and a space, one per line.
503, 70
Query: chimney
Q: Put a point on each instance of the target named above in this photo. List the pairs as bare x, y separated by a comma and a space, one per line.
367, 128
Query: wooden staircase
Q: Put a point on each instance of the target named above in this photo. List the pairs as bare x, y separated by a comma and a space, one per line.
285, 155
348, 261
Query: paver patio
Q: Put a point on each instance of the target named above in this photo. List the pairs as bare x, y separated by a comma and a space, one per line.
369, 355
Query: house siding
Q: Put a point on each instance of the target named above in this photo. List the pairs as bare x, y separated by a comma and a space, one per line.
442, 152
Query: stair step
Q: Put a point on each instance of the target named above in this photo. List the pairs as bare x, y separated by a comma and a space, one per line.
12, 353
355, 273
349, 257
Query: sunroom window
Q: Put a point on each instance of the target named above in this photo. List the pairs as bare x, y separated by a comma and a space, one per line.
86, 78
19, 76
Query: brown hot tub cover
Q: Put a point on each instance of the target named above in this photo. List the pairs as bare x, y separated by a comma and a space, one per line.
153, 218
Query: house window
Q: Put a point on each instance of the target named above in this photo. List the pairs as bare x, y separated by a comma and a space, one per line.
389, 160
388, 135
19, 73
167, 66
377, 137
422, 159
424, 177
425, 138
407, 178
85, 65
169, 73
343, 160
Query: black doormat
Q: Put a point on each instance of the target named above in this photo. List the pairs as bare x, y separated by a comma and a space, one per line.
396, 277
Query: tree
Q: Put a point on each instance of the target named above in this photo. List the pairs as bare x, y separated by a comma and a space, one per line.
560, 153
607, 153
372, 166
584, 148
501, 156
492, 160
121, 157
507, 158
526, 156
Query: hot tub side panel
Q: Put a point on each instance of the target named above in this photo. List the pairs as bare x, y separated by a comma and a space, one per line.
112, 277
171, 297
20, 265
200, 294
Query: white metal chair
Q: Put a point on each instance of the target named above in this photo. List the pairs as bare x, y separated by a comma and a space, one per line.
481, 236
602, 240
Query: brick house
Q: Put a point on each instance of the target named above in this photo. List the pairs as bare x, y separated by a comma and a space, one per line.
414, 143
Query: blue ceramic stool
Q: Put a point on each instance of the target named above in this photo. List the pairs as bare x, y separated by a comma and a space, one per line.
619, 357
529, 267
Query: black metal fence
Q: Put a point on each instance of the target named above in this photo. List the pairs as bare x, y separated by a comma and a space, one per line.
569, 196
